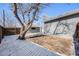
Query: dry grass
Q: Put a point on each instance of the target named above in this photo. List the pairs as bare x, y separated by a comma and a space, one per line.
61, 44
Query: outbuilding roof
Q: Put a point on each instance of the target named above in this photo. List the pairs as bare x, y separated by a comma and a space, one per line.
69, 13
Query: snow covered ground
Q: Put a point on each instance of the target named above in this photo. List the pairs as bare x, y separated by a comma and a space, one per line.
10, 46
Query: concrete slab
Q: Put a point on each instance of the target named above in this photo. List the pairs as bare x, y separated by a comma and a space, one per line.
12, 47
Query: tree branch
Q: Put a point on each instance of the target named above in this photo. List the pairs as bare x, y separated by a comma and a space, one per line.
16, 15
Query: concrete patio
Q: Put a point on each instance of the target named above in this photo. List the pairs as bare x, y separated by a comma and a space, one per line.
10, 46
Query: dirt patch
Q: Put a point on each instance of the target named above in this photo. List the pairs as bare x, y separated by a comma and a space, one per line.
60, 44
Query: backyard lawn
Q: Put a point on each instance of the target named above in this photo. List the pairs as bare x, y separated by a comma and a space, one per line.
60, 44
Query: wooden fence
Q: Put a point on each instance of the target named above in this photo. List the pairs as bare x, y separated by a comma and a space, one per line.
11, 31
1, 33
8, 31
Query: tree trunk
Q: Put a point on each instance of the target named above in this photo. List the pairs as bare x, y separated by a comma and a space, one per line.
22, 35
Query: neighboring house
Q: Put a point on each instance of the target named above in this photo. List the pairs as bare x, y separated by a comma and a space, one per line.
62, 24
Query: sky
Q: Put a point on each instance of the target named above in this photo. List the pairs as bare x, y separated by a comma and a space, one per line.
58, 9
51, 10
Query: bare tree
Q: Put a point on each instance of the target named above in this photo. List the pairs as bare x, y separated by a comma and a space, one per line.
3, 18
32, 12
